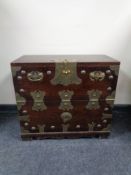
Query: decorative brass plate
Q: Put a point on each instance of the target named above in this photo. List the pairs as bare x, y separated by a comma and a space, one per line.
97, 76
94, 96
66, 74
66, 117
115, 68
38, 97
23, 130
15, 69
20, 101
35, 76
65, 127
107, 128
110, 99
91, 126
41, 128
65, 96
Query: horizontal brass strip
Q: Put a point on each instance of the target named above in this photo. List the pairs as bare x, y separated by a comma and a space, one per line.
73, 132
107, 99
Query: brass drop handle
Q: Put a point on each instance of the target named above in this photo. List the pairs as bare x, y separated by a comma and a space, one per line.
66, 117
35, 76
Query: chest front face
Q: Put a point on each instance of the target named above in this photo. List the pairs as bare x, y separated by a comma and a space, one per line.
65, 99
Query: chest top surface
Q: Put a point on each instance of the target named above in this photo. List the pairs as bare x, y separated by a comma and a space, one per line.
62, 58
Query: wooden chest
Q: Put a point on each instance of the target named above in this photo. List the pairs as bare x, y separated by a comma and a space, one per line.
67, 96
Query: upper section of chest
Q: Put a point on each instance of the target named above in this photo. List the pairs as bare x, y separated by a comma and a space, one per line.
65, 70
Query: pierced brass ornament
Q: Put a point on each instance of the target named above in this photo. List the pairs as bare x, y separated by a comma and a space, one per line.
66, 74
66, 96
97, 76
66, 117
94, 96
15, 69
115, 68
91, 126
65, 127
110, 99
35, 76
21, 101
41, 128
24, 131
38, 97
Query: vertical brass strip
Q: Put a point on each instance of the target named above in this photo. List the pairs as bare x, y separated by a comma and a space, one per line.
115, 68
15, 69
110, 99
20, 101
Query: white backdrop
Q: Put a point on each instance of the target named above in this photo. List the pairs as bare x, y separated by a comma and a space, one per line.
65, 27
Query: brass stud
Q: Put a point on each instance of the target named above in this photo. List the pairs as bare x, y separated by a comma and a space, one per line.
26, 123
99, 125
78, 126
52, 127
106, 109
111, 77
108, 71
109, 88
19, 77
24, 112
48, 72
104, 121
83, 71
23, 72
22, 90
33, 128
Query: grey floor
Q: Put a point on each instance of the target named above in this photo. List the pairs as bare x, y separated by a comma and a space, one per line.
110, 156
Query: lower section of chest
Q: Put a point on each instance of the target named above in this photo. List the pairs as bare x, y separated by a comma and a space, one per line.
56, 123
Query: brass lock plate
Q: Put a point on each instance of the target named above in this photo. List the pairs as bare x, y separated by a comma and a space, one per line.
66, 74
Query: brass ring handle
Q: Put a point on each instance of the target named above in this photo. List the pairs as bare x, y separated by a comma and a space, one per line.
97, 76
35, 76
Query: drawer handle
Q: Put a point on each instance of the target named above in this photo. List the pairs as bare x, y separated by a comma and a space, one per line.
35, 76
66, 117
97, 76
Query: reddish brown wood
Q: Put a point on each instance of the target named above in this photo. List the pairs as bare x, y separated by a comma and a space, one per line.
80, 115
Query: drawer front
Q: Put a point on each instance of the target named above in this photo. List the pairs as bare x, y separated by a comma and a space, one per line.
52, 119
79, 79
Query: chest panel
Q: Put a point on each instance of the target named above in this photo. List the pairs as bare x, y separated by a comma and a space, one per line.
64, 98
